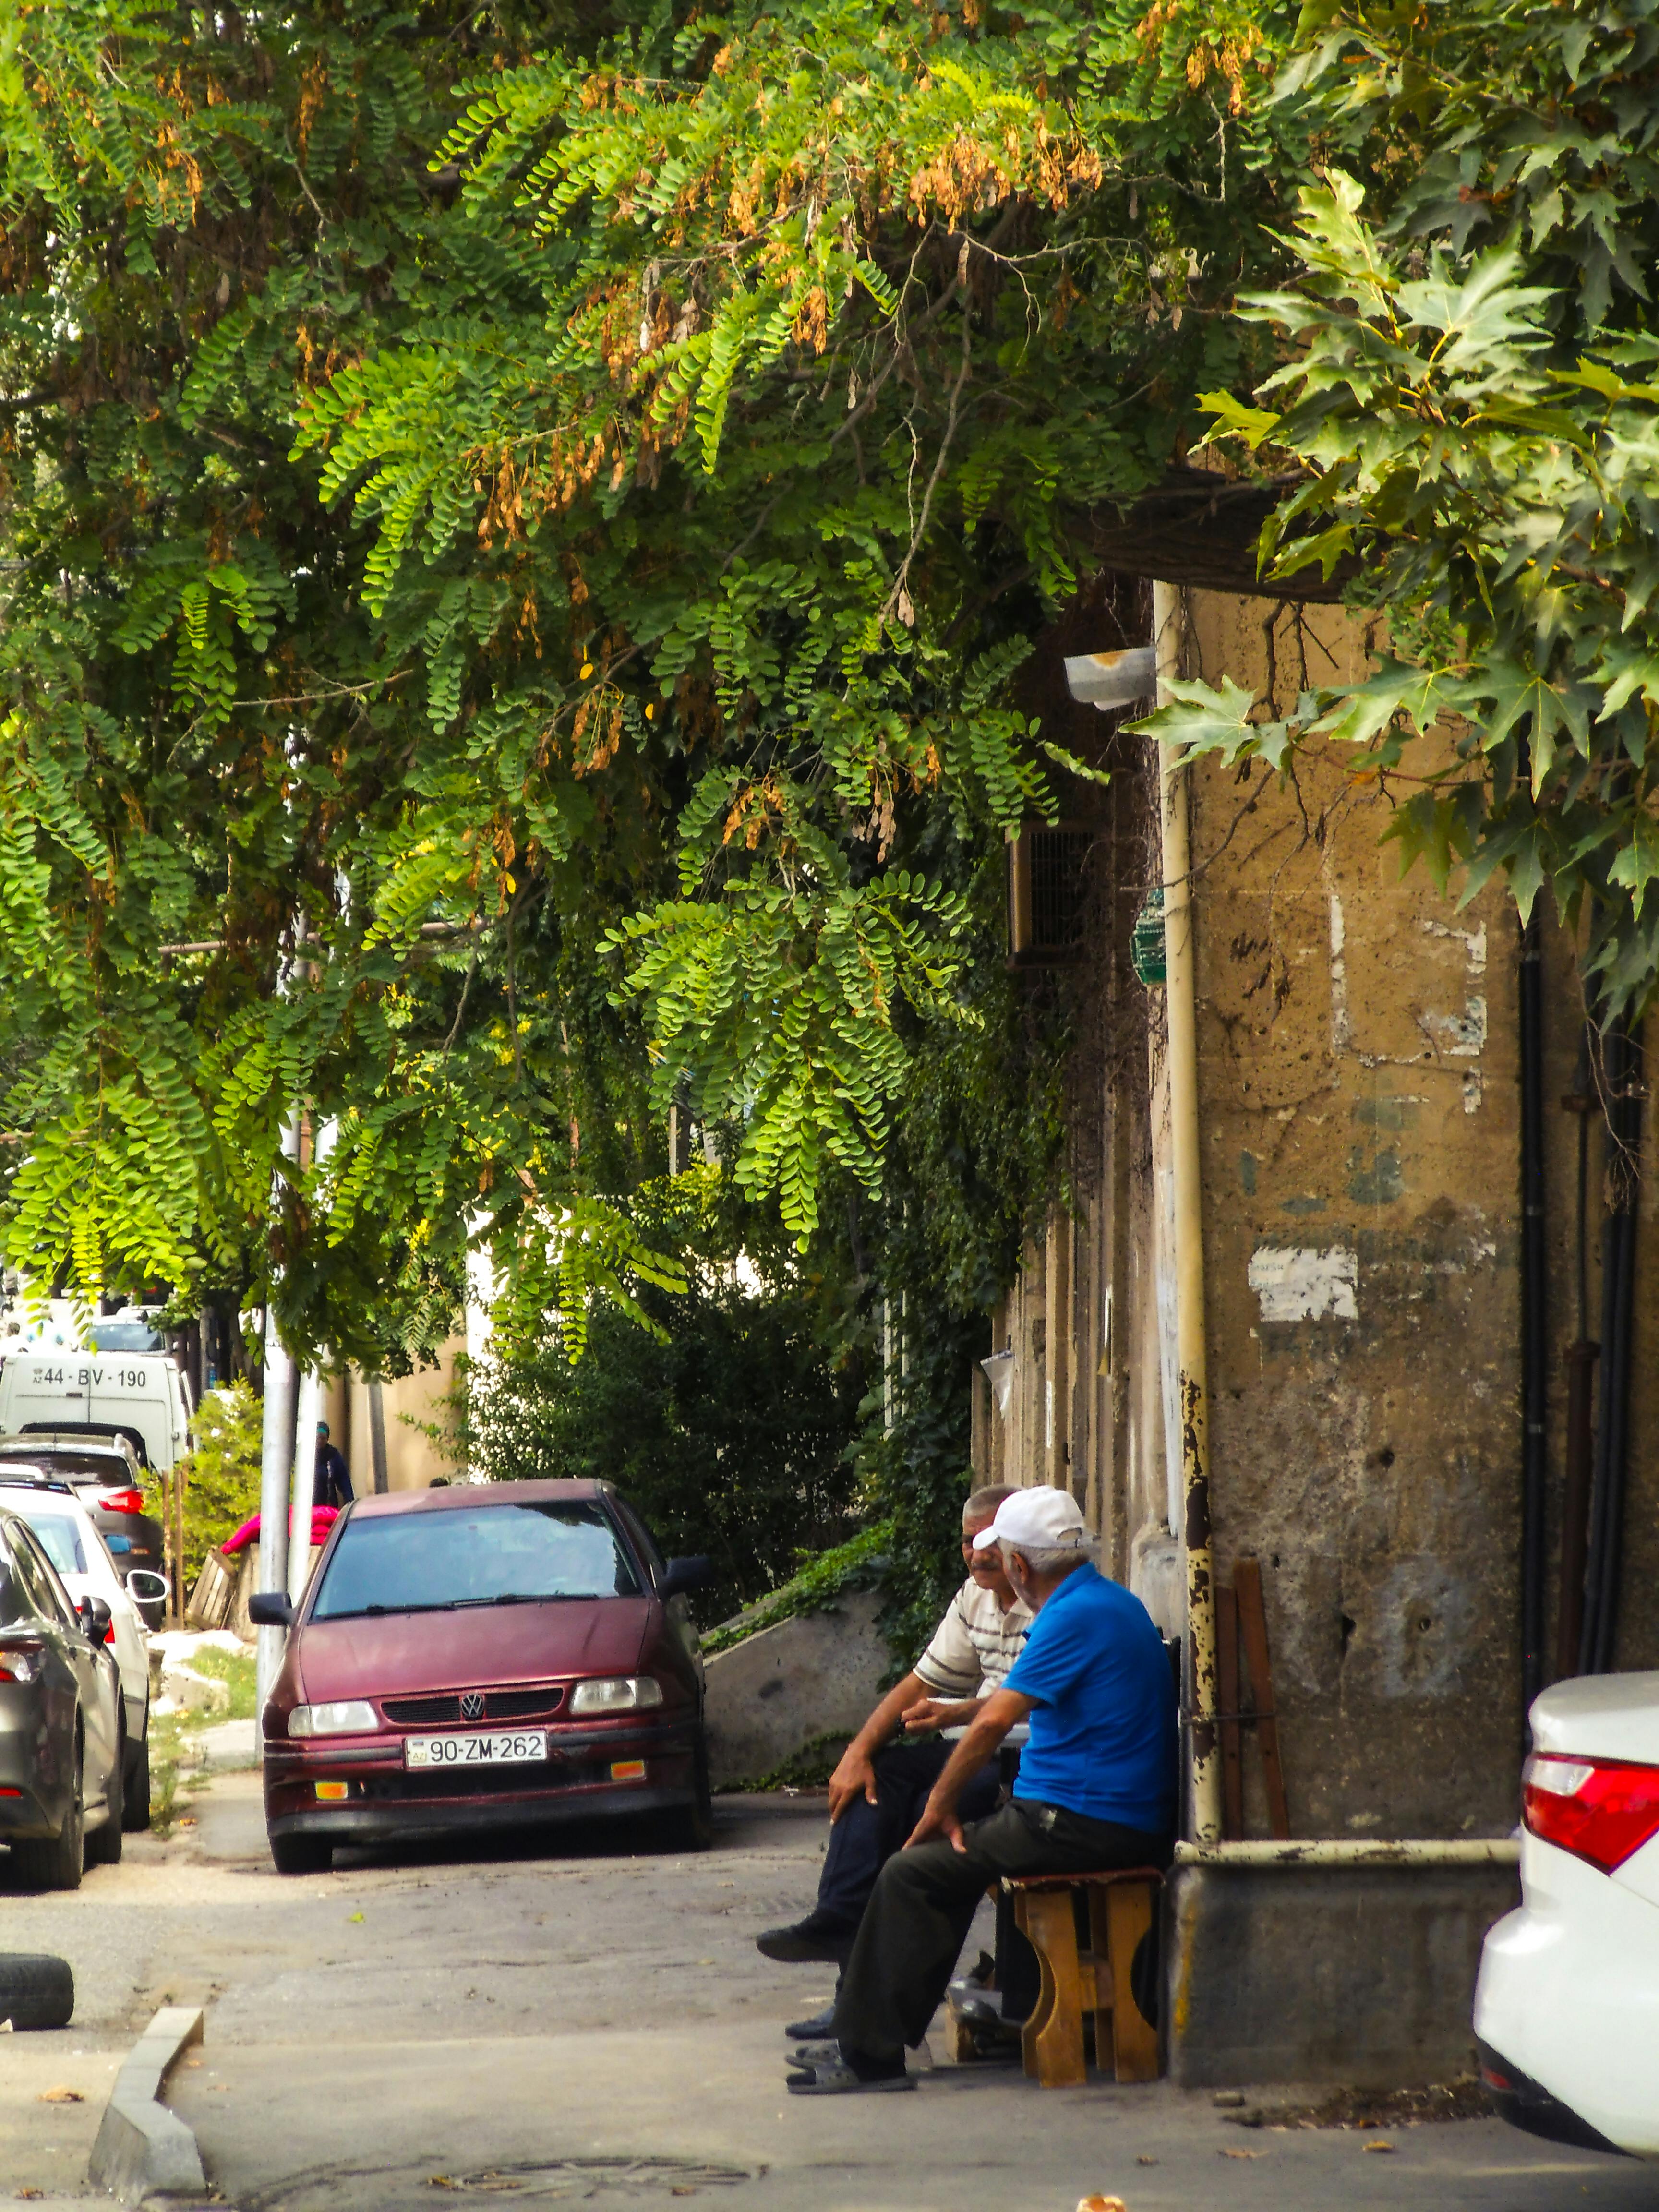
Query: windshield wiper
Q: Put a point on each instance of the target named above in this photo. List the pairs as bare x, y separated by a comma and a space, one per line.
450, 1605
506, 1597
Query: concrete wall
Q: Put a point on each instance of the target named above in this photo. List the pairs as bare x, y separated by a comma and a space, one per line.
786, 1689
1360, 1116
413, 1457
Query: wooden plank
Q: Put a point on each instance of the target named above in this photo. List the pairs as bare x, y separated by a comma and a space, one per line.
1052, 2041
1253, 1631
1134, 2042
1232, 1748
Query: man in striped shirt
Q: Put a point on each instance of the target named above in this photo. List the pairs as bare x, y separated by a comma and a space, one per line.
878, 1790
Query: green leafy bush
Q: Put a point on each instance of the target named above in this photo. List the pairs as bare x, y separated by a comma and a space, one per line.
221, 1472
727, 1419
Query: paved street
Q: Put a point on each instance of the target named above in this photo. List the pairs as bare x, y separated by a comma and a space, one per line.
588, 2024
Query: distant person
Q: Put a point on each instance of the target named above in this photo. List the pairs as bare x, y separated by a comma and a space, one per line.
333, 1483
322, 1518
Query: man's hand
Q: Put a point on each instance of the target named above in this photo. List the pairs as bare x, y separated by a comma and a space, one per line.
854, 1776
937, 1820
930, 1713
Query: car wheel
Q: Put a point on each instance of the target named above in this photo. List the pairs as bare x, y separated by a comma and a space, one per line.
301, 1854
103, 1846
36, 1990
135, 1809
691, 1827
57, 1861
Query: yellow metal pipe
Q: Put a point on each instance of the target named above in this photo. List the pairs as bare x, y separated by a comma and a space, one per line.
1180, 1018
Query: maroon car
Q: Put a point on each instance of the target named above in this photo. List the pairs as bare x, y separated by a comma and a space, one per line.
492, 1655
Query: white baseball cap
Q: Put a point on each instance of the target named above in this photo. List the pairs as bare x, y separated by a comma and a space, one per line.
1047, 1519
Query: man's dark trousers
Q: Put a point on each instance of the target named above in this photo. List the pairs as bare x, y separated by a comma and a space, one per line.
865, 1837
925, 1900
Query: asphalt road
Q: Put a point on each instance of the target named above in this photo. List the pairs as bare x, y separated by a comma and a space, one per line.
574, 2022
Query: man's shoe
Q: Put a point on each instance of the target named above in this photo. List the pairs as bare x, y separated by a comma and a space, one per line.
817, 1940
814, 2054
814, 2030
834, 2077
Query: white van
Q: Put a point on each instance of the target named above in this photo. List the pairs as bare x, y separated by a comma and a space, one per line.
142, 1395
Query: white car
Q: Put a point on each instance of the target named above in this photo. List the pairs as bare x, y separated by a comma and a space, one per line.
68, 1536
1567, 2009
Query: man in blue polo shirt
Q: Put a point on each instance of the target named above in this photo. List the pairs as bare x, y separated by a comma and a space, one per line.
1096, 1788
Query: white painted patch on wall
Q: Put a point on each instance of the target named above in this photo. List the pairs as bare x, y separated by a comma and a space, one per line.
1460, 1036
1301, 1282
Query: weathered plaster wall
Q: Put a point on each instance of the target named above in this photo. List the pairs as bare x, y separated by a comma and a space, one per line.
1359, 1113
1359, 1124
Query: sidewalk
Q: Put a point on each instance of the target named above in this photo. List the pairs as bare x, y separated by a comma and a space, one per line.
397, 2032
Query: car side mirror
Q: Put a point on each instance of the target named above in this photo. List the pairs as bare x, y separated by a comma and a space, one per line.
687, 1574
270, 1609
94, 1619
144, 1588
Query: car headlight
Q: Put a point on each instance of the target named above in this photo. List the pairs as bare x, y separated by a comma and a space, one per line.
617, 1693
347, 1716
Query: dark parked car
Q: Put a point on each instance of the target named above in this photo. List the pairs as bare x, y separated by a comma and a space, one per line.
493, 1655
106, 1476
63, 1737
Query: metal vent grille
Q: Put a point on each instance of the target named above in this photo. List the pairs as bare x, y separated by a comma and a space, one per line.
1046, 895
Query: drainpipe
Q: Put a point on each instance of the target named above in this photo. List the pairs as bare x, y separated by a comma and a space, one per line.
1180, 1061
1349, 1851
1534, 1323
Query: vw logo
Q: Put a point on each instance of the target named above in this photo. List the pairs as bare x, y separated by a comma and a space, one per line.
473, 1702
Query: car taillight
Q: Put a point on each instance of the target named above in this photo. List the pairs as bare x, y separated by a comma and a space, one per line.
1599, 1809
109, 1633
121, 1501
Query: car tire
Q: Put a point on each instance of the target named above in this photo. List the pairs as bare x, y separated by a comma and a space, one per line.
36, 1990
691, 1827
135, 1805
301, 1854
56, 1861
103, 1846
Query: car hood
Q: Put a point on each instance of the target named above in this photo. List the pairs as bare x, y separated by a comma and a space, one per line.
396, 1655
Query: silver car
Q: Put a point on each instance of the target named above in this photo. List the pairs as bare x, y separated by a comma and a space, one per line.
62, 1732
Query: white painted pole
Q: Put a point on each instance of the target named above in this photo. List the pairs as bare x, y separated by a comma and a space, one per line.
274, 1445
1180, 1015
307, 1414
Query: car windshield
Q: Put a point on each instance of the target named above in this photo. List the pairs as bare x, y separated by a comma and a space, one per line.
125, 1336
60, 1540
495, 1554
107, 1467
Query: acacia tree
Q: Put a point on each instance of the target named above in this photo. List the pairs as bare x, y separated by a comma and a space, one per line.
481, 485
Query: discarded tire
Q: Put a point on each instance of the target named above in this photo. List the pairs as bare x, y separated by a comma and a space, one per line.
36, 1990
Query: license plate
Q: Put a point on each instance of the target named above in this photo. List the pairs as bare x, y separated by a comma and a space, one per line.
514, 1747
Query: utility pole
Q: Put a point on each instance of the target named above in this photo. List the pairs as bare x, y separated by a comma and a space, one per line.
308, 1413
275, 1447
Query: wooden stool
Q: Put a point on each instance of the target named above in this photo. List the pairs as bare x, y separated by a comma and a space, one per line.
1095, 1980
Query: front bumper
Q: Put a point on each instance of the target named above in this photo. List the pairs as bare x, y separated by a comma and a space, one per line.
388, 1800
424, 1820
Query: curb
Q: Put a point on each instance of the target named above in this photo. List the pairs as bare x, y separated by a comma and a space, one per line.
142, 2147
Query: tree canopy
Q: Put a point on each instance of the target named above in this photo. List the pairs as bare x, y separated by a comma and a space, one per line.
527, 529
522, 533
1470, 394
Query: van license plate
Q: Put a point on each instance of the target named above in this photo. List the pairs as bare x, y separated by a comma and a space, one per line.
515, 1748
